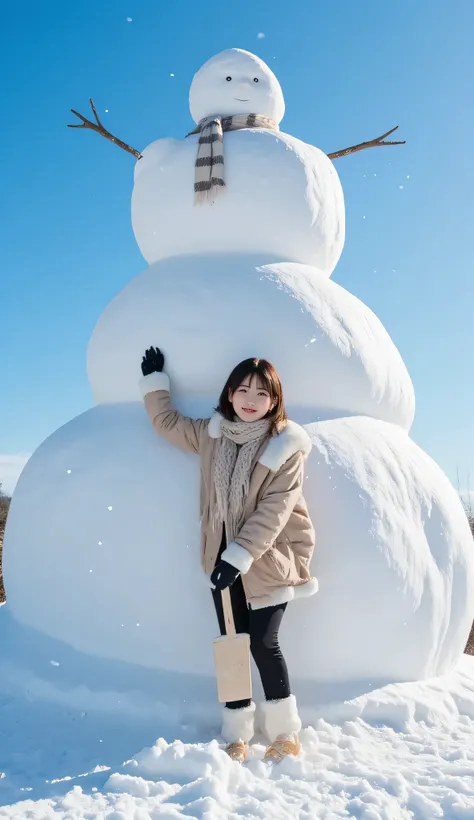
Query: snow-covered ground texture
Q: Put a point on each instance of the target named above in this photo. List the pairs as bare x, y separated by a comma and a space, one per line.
400, 752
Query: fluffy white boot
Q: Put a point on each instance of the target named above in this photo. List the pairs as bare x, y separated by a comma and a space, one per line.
238, 730
238, 724
280, 717
281, 723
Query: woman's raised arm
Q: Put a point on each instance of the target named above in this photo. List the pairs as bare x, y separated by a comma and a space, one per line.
179, 430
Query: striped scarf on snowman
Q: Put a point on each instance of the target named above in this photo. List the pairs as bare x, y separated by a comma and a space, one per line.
209, 165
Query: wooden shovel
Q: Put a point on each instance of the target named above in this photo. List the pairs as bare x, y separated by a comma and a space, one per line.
232, 659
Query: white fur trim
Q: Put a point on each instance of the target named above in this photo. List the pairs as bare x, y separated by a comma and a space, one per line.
152, 382
280, 717
283, 595
238, 556
214, 428
306, 590
238, 724
279, 449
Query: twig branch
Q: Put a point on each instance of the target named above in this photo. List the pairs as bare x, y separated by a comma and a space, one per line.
376, 143
99, 128
103, 131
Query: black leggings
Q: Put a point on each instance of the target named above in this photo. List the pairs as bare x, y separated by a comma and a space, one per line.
262, 625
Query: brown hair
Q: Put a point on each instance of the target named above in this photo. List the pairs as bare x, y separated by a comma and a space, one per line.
270, 381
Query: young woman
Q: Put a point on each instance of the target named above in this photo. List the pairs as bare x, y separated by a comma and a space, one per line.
257, 537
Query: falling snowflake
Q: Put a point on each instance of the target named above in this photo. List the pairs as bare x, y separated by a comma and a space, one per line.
129, 20
171, 75
110, 509
68, 472
401, 187
54, 663
260, 36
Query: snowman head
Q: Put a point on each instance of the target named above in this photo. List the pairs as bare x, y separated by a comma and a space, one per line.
235, 82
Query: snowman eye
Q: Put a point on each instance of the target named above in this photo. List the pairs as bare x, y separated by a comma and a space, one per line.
255, 79
228, 79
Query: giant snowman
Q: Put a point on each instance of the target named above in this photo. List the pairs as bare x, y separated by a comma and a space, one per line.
102, 543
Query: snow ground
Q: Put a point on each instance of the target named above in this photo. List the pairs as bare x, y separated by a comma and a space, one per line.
402, 751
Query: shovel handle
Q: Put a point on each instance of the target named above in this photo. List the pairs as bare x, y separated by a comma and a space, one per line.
228, 614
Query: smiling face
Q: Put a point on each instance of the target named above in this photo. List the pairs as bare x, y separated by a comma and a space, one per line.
251, 401
235, 82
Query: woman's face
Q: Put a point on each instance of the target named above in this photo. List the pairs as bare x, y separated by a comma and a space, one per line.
251, 401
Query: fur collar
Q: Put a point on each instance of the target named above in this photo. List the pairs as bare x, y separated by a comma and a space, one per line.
280, 448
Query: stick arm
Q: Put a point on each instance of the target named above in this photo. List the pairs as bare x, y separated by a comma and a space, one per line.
99, 129
378, 142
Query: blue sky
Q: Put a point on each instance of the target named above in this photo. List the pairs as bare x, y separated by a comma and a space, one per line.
349, 70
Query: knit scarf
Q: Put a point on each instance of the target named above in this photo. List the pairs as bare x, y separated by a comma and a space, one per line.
232, 468
209, 165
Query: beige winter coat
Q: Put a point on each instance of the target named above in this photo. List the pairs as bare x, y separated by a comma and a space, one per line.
274, 546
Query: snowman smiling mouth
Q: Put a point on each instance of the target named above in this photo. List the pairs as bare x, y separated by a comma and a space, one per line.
239, 100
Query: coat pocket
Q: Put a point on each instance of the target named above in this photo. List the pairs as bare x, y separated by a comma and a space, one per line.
276, 568
283, 558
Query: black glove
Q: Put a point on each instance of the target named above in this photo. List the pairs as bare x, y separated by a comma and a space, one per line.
224, 575
153, 361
